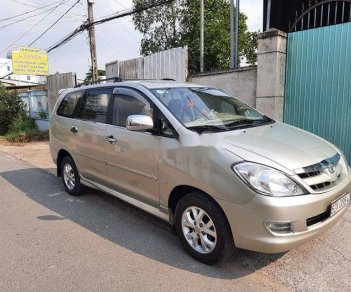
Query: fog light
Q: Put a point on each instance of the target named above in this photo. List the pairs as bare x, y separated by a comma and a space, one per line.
279, 227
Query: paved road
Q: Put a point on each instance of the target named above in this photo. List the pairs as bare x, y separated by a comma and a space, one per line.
51, 241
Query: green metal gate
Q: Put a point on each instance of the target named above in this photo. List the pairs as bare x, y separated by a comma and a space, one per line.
318, 83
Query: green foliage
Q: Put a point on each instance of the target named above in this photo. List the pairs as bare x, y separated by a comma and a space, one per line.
11, 106
27, 136
178, 24
158, 25
42, 114
22, 129
22, 123
89, 75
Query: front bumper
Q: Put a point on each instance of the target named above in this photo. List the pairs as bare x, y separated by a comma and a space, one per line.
248, 221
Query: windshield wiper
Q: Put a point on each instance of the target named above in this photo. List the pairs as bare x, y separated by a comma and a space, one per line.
246, 123
208, 128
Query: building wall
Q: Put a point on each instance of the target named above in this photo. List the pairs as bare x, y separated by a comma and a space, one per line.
240, 83
6, 68
36, 101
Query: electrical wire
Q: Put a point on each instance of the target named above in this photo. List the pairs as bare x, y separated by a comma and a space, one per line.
28, 12
34, 26
40, 13
24, 19
51, 26
120, 4
37, 3
121, 14
57, 12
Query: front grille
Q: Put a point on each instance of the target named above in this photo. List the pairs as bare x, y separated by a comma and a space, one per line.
309, 174
319, 218
320, 186
323, 175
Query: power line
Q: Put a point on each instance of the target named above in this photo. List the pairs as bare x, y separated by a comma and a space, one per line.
28, 12
51, 26
24, 19
121, 14
40, 13
37, 3
119, 3
38, 7
35, 25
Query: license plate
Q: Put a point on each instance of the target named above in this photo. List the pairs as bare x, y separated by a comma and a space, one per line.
340, 204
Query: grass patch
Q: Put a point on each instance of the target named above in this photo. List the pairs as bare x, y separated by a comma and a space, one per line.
22, 129
32, 135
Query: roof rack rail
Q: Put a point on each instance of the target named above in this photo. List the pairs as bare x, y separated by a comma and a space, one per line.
118, 79
114, 79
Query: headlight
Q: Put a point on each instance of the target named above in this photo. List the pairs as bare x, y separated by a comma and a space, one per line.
267, 181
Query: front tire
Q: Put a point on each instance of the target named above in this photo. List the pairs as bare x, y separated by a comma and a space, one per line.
203, 229
70, 177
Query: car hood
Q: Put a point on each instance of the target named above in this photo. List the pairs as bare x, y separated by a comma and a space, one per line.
285, 145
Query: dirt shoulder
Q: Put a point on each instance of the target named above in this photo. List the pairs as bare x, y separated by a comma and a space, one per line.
35, 153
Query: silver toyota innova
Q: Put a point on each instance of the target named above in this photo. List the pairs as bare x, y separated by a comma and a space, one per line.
225, 175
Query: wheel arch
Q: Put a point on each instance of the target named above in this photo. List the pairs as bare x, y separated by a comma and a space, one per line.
60, 156
182, 190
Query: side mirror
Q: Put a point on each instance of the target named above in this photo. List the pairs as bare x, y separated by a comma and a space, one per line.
139, 123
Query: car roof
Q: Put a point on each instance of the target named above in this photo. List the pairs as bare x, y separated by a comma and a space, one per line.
150, 84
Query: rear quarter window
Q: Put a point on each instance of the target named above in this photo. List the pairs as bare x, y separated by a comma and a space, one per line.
68, 104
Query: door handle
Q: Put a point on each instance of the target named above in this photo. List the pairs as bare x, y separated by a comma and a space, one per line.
74, 129
110, 139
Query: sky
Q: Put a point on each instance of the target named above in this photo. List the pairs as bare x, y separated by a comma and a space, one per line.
115, 40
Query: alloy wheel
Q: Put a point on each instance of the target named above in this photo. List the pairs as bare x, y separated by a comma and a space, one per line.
199, 230
69, 177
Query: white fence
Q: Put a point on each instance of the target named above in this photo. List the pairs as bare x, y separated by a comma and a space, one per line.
171, 63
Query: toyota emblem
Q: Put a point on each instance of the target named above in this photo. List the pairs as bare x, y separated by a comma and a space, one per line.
331, 168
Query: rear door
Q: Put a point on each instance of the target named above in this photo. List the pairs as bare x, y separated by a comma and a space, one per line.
63, 129
132, 157
90, 134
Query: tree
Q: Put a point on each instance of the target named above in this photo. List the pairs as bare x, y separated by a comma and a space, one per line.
11, 106
178, 24
89, 75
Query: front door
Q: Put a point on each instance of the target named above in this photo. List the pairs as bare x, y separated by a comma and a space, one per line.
132, 158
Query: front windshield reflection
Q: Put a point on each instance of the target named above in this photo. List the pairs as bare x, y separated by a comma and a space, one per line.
208, 109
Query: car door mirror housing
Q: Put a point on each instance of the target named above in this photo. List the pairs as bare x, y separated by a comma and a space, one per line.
139, 123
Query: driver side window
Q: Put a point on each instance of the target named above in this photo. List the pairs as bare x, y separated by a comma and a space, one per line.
127, 105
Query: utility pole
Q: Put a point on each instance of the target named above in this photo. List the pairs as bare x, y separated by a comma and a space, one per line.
234, 36
201, 36
92, 41
237, 14
232, 58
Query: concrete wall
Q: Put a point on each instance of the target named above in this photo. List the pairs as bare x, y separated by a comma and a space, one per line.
240, 83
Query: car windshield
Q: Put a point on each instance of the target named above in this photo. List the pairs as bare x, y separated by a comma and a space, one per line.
208, 109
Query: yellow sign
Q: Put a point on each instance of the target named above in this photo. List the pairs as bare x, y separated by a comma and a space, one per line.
30, 61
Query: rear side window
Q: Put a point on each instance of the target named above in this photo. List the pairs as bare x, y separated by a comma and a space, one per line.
96, 105
68, 104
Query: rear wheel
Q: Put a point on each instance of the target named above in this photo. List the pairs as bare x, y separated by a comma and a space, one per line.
203, 229
70, 177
